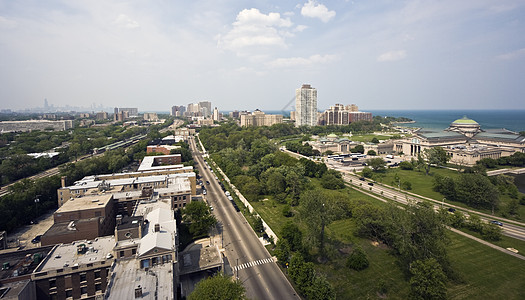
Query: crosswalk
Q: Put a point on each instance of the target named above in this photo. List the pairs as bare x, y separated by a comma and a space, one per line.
253, 264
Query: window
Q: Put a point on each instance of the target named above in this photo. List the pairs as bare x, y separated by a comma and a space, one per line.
121, 254
98, 287
133, 251
53, 296
82, 277
98, 214
52, 283
97, 274
83, 290
69, 293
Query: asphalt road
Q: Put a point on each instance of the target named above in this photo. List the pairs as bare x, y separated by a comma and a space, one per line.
250, 261
510, 228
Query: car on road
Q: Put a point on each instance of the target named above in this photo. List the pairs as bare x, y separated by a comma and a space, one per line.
362, 179
36, 240
204, 192
207, 182
371, 183
451, 209
496, 222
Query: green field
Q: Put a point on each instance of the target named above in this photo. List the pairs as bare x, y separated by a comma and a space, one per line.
486, 273
423, 185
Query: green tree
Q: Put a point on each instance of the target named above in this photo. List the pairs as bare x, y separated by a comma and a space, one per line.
357, 260
374, 140
406, 165
477, 190
317, 209
377, 164
283, 251
332, 180
291, 233
491, 232
320, 289
218, 287
434, 156
371, 153
198, 215
417, 233
428, 280
367, 172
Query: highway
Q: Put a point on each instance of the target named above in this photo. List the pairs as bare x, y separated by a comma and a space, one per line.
510, 228
250, 261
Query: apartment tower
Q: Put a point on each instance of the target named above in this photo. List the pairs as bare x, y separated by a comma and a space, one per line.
306, 106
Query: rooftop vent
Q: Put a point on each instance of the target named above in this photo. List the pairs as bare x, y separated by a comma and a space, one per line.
157, 227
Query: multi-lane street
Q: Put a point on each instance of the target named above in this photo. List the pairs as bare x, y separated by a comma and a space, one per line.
248, 258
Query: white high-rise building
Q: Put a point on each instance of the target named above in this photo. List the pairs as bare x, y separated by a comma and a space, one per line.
306, 106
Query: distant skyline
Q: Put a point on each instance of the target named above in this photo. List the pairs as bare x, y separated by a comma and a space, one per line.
380, 55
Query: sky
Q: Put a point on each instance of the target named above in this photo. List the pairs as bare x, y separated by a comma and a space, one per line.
378, 54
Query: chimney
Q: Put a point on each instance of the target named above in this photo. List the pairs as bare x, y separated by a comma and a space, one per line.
157, 227
138, 292
63, 181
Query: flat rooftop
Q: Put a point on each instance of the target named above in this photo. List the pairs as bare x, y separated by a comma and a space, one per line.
201, 259
156, 283
63, 254
86, 202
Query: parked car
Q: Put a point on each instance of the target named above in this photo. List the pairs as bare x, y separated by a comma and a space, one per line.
36, 240
451, 209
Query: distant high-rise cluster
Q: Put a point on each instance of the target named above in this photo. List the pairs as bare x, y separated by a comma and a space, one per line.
201, 109
343, 115
178, 111
306, 106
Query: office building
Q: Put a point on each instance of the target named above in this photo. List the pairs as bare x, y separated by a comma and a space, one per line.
150, 117
306, 106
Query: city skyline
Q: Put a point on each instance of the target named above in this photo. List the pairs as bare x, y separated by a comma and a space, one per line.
239, 55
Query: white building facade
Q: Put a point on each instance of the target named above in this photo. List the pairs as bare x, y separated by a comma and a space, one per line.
306, 106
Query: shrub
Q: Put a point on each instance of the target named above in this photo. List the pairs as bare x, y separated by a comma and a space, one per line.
357, 260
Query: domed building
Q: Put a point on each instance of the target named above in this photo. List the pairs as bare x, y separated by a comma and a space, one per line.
464, 141
465, 126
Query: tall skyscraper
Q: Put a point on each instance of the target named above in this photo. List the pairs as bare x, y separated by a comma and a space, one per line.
205, 107
306, 106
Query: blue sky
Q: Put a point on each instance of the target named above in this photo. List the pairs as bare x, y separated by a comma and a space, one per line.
254, 54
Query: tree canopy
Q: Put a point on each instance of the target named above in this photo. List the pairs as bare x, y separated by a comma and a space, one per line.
218, 287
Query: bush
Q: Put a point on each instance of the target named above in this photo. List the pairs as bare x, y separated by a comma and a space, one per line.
406, 185
357, 260
367, 172
406, 165
287, 211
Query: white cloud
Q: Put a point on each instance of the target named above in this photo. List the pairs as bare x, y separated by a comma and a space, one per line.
312, 9
302, 61
392, 56
512, 55
300, 28
253, 28
126, 22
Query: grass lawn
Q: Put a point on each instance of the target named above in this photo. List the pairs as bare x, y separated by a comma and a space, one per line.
505, 242
488, 273
423, 185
